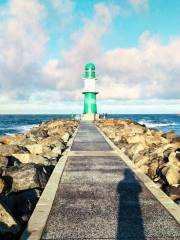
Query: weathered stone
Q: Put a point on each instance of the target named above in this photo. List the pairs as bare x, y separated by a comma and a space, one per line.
34, 148
143, 160
15, 139
66, 137
3, 162
173, 192
150, 140
39, 133
176, 140
144, 169
135, 149
22, 204
169, 135
173, 175
2, 186
9, 227
173, 159
57, 151
152, 170
8, 150
136, 139
26, 176
30, 158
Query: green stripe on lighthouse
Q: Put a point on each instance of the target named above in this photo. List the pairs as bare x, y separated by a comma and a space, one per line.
90, 103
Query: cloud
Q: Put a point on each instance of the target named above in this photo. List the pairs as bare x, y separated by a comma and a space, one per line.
142, 73
66, 75
22, 45
148, 71
63, 6
139, 5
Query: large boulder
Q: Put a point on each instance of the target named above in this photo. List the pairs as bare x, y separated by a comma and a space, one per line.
8, 150
37, 133
136, 139
135, 149
34, 148
173, 192
15, 139
9, 227
3, 185
169, 135
22, 203
174, 160
173, 175
26, 176
153, 140
3, 162
143, 160
30, 158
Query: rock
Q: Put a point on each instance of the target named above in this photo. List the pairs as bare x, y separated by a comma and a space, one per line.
169, 135
15, 139
176, 140
8, 150
9, 227
30, 158
173, 192
3, 162
66, 137
3, 186
39, 133
136, 139
22, 204
173, 159
57, 151
26, 176
34, 148
144, 169
152, 140
135, 149
143, 160
152, 170
173, 175
178, 153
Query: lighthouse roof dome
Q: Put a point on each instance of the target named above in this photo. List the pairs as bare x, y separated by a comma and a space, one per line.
89, 66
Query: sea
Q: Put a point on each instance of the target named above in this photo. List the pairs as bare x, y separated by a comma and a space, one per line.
14, 124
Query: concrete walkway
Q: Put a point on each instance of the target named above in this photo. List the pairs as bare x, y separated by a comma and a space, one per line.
99, 197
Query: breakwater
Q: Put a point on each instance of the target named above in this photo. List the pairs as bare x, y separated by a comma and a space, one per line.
26, 163
156, 153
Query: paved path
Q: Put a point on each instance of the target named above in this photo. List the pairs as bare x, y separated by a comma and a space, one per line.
99, 197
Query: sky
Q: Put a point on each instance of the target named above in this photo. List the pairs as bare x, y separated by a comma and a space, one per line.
44, 45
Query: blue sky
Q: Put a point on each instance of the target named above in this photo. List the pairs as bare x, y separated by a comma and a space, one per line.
45, 44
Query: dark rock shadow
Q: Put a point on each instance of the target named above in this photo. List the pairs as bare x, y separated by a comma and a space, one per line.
130, 221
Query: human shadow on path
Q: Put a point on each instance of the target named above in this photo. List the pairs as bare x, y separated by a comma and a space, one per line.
130, 221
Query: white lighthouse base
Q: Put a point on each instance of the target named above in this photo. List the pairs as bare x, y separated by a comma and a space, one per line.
89, 117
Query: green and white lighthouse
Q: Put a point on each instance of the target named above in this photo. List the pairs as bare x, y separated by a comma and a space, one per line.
90, 107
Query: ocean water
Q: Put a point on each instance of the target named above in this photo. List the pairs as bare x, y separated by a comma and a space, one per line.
11, 124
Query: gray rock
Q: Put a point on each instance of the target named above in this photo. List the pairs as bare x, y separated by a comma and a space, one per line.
26, 176
9, 227
8, 150
3, 162
22, 204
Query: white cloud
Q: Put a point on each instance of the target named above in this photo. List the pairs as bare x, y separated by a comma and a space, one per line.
22, 45
64, 6
139, 4
67, 75
150, 71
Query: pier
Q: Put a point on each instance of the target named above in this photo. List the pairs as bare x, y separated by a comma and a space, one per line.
95, 192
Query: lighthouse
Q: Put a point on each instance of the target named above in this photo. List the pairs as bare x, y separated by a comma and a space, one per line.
90, 107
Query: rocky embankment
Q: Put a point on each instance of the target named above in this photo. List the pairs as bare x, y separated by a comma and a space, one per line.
26, 163
156, 153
